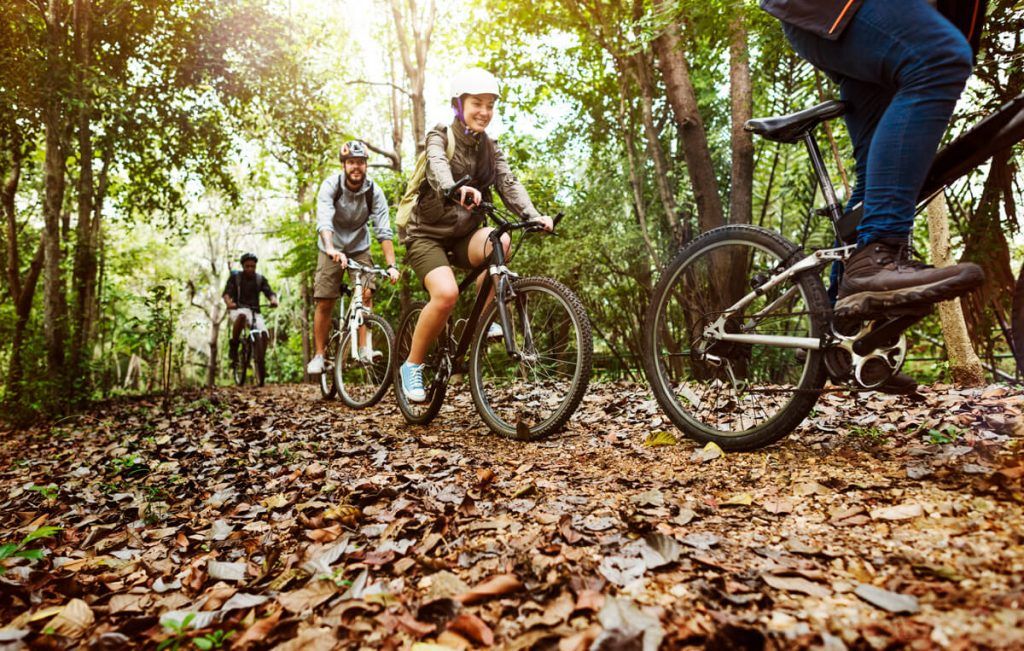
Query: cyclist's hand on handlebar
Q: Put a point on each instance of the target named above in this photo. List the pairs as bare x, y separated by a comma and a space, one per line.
544, 222
232, 305
469, 198
275, 303
338, 256
394, 274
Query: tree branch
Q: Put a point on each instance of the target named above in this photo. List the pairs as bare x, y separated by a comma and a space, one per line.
380, 83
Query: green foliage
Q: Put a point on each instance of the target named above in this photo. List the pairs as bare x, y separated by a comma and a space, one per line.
178, 631
17, 550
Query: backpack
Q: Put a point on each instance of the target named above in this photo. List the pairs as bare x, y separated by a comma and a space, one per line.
236, 275
412, 191
368, 195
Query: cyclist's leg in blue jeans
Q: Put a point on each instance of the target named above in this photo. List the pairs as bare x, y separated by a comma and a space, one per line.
901, 66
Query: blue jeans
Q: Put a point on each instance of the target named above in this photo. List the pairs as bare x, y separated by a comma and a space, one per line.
901, 66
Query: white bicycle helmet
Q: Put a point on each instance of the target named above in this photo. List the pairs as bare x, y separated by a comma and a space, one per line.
474, 81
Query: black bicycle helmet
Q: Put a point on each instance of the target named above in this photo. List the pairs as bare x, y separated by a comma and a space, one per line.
352, 149
248, 256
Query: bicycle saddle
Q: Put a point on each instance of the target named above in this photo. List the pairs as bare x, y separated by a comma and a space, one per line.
793, 127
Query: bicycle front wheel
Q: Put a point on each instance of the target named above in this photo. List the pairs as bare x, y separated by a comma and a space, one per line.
742, 396
363, 382
435, 370
241, 368
533, 396
327, 382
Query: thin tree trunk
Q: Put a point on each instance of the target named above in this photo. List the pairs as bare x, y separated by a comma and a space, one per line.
964, 364
85, 267
654, 148
683, 99
414, 51
741, 193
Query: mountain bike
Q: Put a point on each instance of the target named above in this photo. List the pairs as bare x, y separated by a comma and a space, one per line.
252, 349
739, 337
359, 381
525, 384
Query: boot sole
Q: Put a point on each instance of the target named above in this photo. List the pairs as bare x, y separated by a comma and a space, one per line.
864, 305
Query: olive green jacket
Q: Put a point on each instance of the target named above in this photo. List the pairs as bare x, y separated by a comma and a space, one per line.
434, 217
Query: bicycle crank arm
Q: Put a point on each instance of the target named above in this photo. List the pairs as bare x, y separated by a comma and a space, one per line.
884, 334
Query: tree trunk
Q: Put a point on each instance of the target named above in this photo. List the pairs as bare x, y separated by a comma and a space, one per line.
414, 49
654, 148
964, 364
85, 266
212, 367
683, 99
53, 201
741, 192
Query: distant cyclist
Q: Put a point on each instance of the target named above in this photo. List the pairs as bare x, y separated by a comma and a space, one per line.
346, 206
242, 296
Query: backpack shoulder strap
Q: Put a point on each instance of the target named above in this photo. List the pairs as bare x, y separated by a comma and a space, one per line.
337, 190
369, 200
449, 150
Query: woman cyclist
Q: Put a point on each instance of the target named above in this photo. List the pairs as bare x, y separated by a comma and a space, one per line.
443, 230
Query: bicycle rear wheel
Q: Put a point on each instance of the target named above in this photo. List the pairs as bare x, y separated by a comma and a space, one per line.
534, 396
741, 396
435, 370
363, 383
328, 383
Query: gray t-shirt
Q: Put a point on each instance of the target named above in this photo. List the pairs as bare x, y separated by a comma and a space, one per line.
347, 219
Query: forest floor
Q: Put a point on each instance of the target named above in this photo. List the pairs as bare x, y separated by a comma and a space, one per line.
268, 518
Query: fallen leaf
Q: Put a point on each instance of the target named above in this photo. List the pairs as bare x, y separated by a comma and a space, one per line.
655, 439
906, 511
74, 620
660, 550
473, 628
739, 499
627, 627
709, 452
226, 571
893, 602
308, 597
495, 586
258, 632
797, 584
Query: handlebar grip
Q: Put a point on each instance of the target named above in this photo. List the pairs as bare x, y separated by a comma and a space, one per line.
558, 218
450, 192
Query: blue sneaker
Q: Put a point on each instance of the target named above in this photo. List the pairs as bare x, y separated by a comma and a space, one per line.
412, 382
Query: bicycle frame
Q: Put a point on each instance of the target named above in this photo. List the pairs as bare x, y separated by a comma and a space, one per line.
356, 309
995, 133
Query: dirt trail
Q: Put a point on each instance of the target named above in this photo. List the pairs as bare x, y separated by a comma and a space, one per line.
277, 519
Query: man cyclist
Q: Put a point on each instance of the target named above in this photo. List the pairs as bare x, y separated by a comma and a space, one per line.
345, 206
901, 67
242, 296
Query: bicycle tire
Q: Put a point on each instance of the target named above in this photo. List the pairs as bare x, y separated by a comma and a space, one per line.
259, 369
423, 412
326, 381
379, 328
522, 389
804, 394
241, 370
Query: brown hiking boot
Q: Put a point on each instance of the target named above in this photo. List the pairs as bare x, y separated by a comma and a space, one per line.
881, 279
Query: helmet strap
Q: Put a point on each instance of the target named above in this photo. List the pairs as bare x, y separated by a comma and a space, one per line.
461, 117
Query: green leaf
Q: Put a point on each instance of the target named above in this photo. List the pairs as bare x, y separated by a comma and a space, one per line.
8, 550
41, 532
203, 643
34, 554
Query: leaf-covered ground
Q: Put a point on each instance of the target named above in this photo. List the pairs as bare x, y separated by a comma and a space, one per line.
269, 518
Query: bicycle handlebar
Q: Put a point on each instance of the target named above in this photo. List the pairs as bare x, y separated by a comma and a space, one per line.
377, 271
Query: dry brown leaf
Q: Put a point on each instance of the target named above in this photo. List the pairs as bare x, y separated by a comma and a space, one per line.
74, 620
309, 597
259, 631
797, 584
495, 586
472, 627
310, 639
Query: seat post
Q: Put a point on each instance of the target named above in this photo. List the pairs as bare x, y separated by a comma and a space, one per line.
835, 211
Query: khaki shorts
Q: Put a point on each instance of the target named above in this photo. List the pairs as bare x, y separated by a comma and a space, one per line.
424, 254
329, 274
